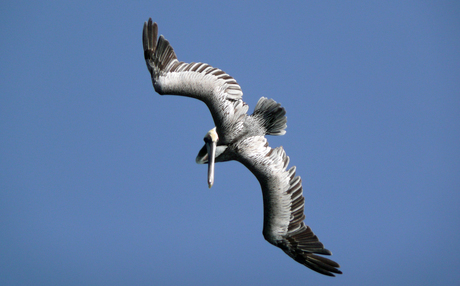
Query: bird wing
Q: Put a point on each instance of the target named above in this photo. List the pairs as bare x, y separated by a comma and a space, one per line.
284, 216
219, 91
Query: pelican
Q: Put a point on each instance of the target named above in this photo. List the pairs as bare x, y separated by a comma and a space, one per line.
241, 137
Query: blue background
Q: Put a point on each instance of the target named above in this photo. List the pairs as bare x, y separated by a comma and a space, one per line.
98, 181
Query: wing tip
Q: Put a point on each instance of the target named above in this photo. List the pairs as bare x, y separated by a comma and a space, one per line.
149, 38
319, 264
304, 246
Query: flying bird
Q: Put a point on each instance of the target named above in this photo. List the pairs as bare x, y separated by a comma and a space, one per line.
241, 137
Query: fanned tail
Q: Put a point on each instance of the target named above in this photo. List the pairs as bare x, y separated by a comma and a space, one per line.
271, 115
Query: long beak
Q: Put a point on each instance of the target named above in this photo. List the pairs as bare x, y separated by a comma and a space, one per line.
211, 147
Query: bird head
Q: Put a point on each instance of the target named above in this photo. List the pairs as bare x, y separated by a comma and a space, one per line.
210, 152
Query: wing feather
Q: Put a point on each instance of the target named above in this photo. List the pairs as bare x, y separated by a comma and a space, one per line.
284, 215
218, 90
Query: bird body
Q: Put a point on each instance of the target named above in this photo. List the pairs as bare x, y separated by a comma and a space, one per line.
241, 137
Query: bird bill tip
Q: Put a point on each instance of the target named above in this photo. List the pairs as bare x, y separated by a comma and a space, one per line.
210, 181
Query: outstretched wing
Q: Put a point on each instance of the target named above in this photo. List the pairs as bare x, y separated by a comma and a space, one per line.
284, 205
218, 90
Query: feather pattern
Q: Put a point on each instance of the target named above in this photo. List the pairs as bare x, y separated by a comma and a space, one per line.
283, 204
218, 90
241, 137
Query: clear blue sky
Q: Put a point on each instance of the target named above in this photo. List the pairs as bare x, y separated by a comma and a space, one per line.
98, 181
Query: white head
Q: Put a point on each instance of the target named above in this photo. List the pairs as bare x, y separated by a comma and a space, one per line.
209, 152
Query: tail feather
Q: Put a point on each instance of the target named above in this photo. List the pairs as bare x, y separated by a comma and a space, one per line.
271, 115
